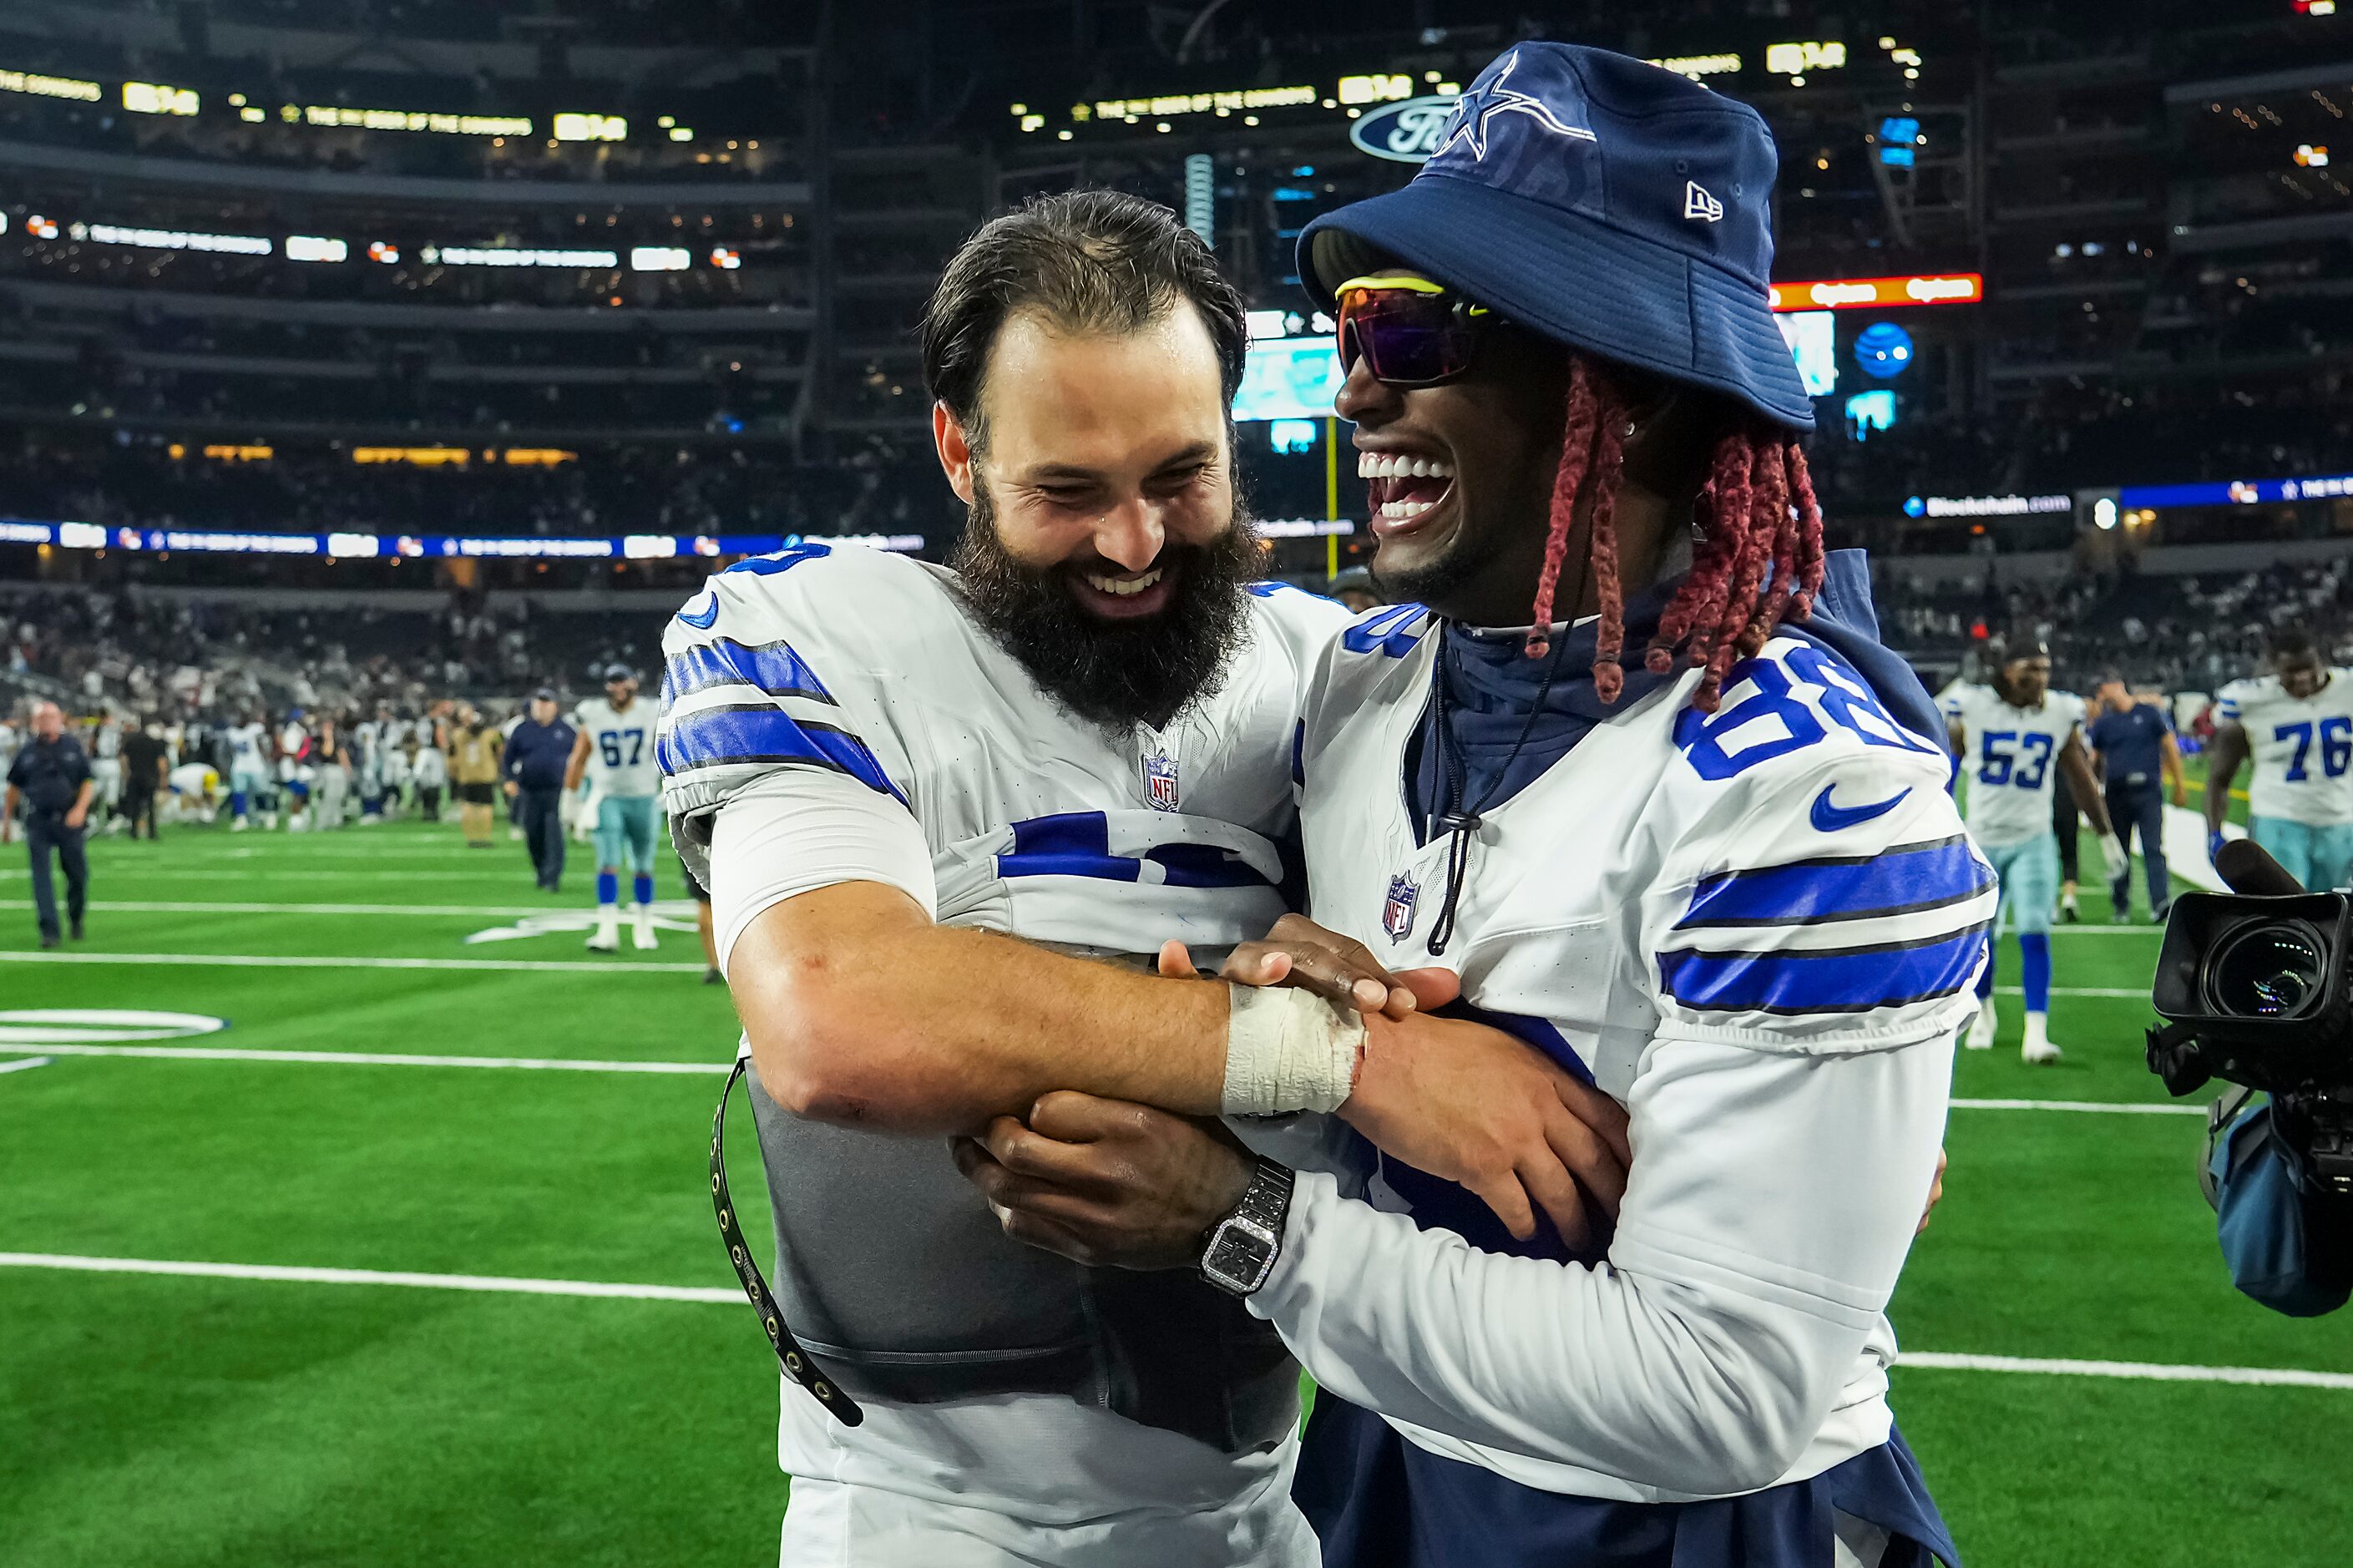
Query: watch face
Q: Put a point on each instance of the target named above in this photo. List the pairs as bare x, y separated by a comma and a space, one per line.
1240, 1255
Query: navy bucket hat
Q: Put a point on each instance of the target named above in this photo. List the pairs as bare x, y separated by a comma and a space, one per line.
1603, 202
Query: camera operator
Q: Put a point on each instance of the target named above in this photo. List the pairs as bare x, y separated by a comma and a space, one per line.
2253, 987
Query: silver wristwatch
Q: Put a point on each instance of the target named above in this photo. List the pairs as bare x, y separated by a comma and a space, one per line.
1242, 1247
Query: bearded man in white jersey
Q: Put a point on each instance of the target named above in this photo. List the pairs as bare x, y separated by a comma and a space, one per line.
2015, 737
906, 787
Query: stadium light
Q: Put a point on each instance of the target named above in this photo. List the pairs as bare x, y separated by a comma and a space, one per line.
591, 128
155, 98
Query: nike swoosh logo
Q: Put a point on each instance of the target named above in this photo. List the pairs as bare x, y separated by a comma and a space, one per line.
703, 621
1830, 818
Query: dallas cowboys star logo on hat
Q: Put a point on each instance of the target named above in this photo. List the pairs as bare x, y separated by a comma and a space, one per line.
1485, 101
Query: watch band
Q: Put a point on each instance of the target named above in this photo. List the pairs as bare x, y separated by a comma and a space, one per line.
1268, 1198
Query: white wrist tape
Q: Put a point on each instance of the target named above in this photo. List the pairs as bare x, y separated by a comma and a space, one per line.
1288, 1049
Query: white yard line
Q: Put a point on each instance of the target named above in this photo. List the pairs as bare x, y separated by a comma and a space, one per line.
495, 1284
25, 1063
367, 1058
499, 1284
192, 907
226, 874
557, 1064
2113, 1107
2118, 991
2269, 1376
285, 960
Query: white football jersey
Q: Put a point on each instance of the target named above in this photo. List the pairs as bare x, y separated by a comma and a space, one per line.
1758, 930
620, 746
2303, 747
245, 748
866, 666
1039, 823
2009, 760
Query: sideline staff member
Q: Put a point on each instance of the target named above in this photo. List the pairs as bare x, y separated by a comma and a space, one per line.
2134, 744
535, 760
51, 776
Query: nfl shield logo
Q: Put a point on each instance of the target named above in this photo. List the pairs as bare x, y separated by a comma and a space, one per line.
1397, 912
1160, 782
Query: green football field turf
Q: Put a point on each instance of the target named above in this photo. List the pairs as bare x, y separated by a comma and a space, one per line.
178, 1420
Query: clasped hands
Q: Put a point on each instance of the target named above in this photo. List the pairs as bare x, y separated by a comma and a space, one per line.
1111, 1184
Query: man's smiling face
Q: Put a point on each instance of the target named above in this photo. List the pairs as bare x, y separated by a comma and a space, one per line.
1460, 475
1103, 547
1103, 453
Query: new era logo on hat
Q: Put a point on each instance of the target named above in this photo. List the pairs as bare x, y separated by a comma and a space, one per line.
1601, 201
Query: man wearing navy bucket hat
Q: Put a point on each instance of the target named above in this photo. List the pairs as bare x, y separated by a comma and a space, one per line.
1723, 881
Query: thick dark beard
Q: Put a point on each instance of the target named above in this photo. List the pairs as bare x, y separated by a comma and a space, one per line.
1116, 674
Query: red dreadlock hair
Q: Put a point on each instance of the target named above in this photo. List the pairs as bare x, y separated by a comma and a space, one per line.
1757, 513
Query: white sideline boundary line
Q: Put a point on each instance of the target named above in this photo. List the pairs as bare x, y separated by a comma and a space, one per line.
181, 906
25, 1063
286, 961
495, 1284
2262, 1376
490, 1283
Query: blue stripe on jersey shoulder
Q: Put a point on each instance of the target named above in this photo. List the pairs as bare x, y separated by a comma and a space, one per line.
1393, 630
772, 667
1078, 843
720, 736
1902, 880
1831, 980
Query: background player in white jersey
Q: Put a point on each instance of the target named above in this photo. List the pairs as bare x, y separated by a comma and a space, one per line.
2297, 723
393, 745
2014, 737
1080, 736
194, 793
106, 769
616, 746
251, 787
1704, 857
295, 772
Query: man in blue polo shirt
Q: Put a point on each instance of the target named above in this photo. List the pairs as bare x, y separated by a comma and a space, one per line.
535, 757
50, 777
2132, 740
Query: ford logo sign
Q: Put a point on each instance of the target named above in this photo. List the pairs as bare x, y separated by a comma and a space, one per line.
1407, 132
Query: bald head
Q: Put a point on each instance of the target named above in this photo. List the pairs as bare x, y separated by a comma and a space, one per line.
49, 721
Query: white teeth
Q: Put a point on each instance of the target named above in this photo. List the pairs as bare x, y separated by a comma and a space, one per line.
1383, 466
1122, 587
1398, 511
